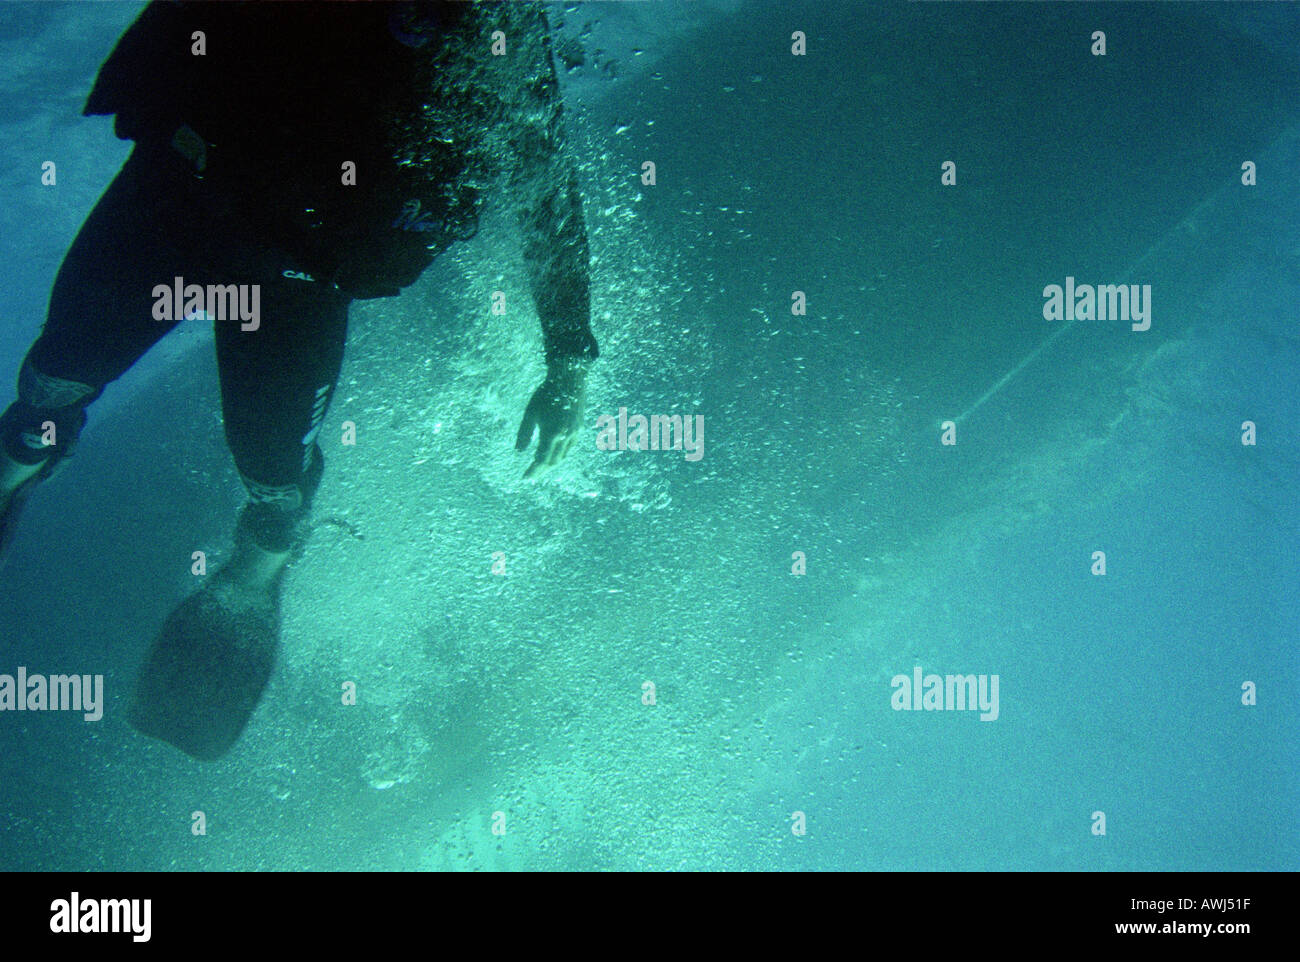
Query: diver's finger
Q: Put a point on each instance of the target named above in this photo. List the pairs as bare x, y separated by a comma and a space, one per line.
553, 448
525, 435
543, 461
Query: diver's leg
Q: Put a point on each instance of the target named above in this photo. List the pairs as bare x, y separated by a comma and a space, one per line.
100, 321
276, 385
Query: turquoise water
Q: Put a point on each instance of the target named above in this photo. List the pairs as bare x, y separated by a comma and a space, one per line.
523, 693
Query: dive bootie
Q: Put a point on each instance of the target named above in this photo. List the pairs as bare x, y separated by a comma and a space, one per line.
208, 667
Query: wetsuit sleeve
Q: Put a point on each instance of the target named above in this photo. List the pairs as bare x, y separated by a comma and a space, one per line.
550, 217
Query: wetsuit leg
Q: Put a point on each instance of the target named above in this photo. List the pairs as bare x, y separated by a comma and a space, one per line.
100, 319
276, 385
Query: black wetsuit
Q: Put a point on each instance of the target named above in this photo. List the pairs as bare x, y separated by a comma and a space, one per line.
237, 178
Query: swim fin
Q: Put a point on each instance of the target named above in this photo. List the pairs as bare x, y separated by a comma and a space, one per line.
209, 665
17, 482
207, 669
13, 507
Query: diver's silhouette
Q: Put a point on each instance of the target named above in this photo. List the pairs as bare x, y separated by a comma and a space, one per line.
316, 153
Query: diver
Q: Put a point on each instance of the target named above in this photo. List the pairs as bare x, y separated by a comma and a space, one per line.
323, 153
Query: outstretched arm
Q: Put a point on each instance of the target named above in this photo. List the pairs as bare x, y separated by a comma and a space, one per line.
556, 257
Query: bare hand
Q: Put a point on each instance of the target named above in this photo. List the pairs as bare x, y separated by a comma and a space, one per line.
555, 409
